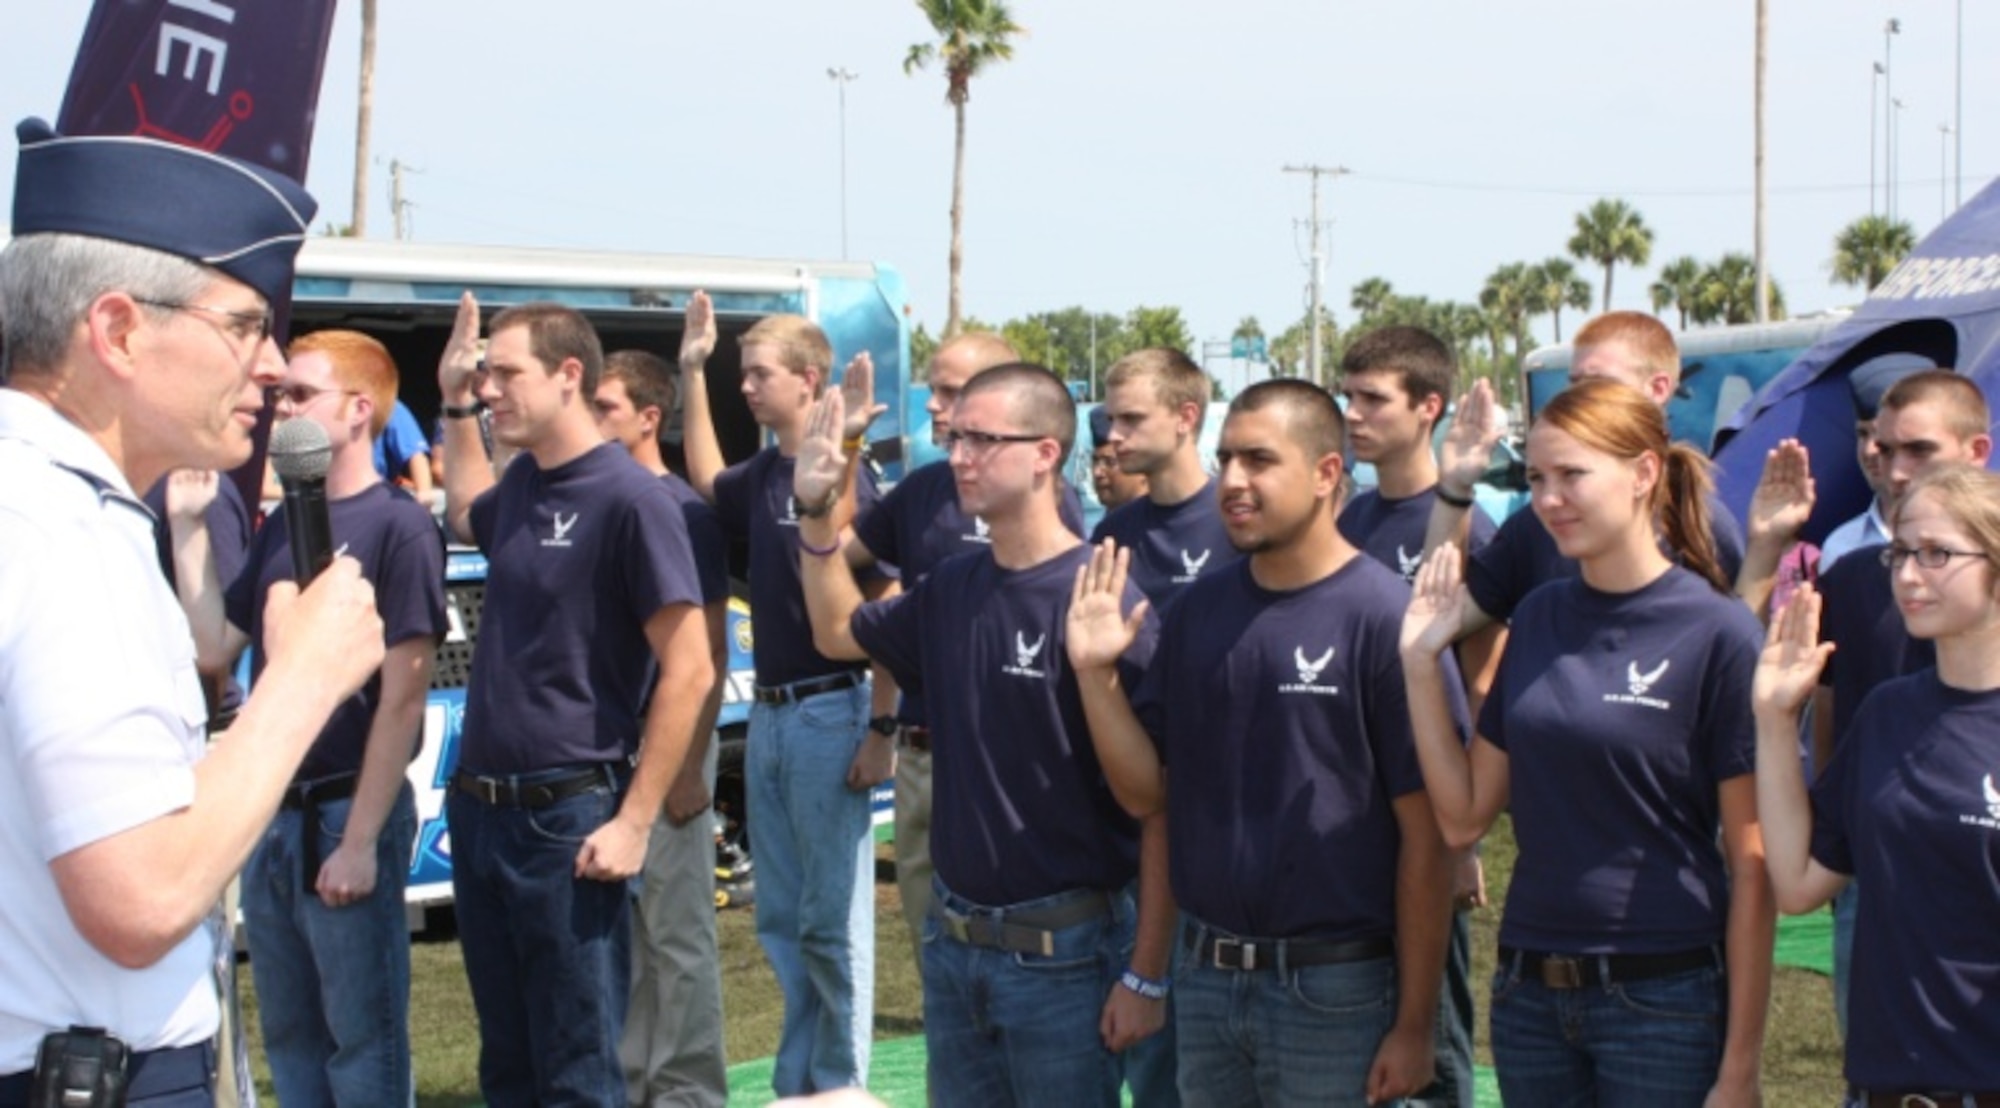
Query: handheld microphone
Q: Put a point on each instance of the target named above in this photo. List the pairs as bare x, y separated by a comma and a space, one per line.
301, 453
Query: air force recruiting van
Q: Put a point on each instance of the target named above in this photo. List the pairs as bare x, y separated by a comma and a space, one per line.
406, 295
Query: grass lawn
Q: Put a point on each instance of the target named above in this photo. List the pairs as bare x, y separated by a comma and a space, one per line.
1801, 1054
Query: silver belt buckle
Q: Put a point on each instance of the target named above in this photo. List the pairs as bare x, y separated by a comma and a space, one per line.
1246, 954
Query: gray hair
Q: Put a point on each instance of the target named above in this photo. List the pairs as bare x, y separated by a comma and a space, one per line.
49, 281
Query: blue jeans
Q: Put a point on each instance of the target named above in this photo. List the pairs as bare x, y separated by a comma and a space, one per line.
1454, 1086
1649, 1044
815, 855
1843, 952
333, 984
1281, 1035
1008, 1029
547, 953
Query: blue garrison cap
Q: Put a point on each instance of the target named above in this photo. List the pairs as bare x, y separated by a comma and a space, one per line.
1100, 426
241, 219
1869, 380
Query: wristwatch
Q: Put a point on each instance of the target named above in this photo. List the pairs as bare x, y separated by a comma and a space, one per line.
885, 726
454, 411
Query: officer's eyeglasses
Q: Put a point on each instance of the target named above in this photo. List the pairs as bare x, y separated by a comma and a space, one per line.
246, 327
1927, 557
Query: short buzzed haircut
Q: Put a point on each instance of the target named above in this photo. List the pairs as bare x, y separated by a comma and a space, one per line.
1648, 340
1037, 398
647, 378
360, 363
985, 348
1421, 361
1963, 405
1177, 381
1311, 416
557, 333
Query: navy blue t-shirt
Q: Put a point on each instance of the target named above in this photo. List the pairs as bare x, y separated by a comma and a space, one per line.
1522, 555
1910, 806
705, 539
754, 501
1859, 614
1621, 714
1171, 545
579, 558
1284, 720
1392, 531
401, 552
1021, 809
918, 524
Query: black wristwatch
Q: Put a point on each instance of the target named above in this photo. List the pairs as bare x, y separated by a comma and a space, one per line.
469, 411
885, 726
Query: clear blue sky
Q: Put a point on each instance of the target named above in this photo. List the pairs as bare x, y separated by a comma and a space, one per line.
1131, 151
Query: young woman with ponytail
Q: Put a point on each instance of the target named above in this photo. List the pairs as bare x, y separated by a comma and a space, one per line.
1635, 947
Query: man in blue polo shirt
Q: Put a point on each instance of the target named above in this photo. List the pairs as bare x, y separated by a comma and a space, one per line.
811, 759
1032, 980
1157, 399
1625, 346
1305, 856
323, 893
672, 1051
593, 610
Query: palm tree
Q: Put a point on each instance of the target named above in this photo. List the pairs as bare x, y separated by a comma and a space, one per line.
364, 115
1728, 292
1508, 296
1370, 296
972, 34
1608, 233
1557, 287
1678, 283
1867, 249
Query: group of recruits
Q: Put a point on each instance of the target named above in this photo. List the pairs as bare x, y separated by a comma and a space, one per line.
1275, 928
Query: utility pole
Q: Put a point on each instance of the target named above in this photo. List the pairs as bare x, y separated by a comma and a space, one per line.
1763, 262
1313, 367
399, 207
841, 75
1944, 157
1890, 30
1874, 113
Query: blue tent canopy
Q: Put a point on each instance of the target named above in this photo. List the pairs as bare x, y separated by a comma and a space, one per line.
1942, 304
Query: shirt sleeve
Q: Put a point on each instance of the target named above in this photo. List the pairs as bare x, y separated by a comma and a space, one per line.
240, 595
1728, 726
655, 558
711, 550
480, 516
890, 632
867, 499
733, 489
1830, 846
876, 529
1388, 710
1497, 573
409, 584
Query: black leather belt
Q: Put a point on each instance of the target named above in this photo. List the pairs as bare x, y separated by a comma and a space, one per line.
916, 737
512, 792
1027, 930
811, 686
1224, 951
1877, 1099
306, 797
150, 1073
1577, 971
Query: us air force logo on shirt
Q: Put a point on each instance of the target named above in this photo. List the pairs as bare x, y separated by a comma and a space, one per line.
560, 534
791, 512
1192, 564
1025, 655
1640, 684
1409, 564
1991, 820
982, 531
1309, 671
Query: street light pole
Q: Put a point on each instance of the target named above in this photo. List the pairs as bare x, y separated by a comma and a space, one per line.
1958, 113
1895, 149
1890, 30
1944, 153
840, 75
1874, 112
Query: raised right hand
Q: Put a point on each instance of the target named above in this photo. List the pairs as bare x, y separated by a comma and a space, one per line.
1476, 427
458, 368
1788, 669
698, 332
329, 632
1098, 632
1438, 601
190, 492
821, 462
1784, 497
